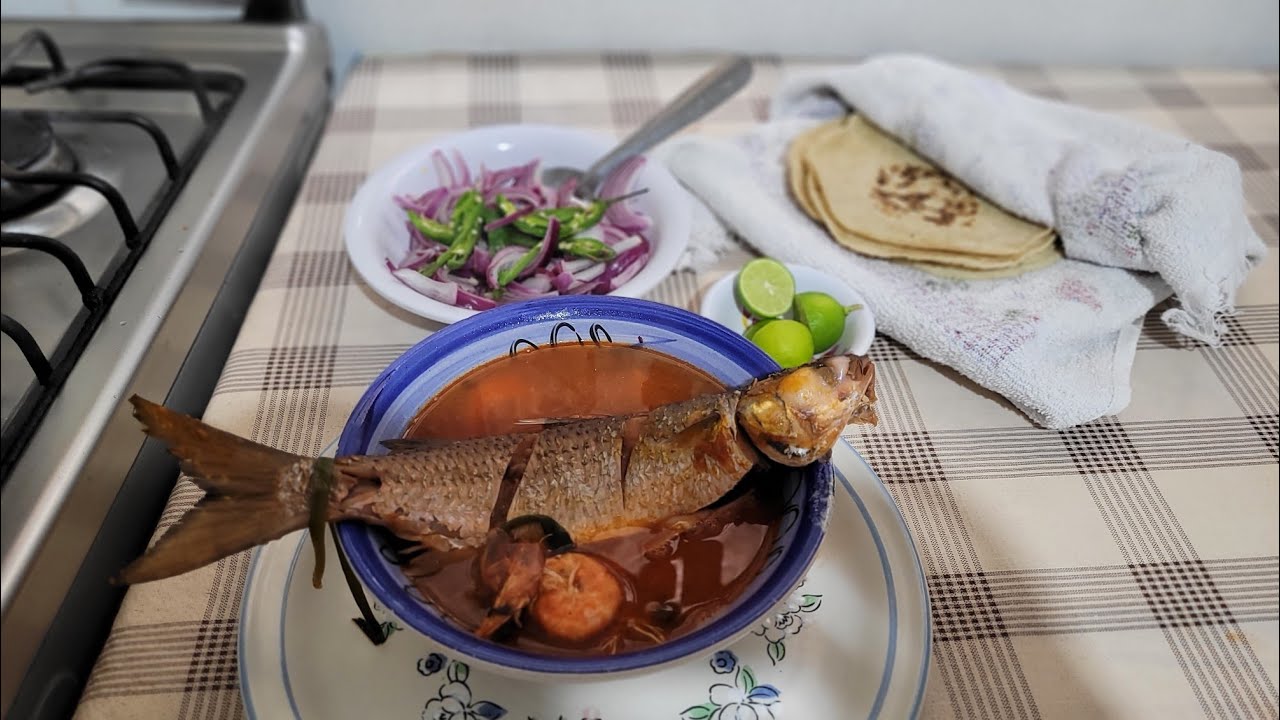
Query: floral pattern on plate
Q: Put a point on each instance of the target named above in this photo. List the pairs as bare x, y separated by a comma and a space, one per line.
453, 700
741, 698
775, 630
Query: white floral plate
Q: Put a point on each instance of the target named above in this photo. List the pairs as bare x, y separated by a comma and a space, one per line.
852, 642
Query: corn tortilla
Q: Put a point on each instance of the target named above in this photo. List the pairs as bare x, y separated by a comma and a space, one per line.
866, 184
870, 246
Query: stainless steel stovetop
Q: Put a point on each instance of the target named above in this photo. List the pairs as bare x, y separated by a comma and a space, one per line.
148, 169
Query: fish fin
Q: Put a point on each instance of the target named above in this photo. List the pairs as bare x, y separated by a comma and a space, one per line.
217, 461
397, 445
254, 494
548, 421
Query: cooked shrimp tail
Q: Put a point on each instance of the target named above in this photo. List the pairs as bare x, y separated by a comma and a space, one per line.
511, 569
254, 494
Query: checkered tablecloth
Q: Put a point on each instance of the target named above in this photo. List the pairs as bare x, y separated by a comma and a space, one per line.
1127, 568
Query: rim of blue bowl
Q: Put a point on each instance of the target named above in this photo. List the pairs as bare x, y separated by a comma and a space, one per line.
387, 588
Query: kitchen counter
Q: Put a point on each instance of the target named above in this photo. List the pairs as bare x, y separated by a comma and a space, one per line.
1126, 568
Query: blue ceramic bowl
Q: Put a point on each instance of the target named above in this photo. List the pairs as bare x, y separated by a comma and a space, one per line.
391, 402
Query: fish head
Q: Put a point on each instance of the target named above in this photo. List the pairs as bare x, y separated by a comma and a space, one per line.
796, 416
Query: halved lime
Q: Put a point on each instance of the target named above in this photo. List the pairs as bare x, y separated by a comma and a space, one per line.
825, 317
765, 288
786, 341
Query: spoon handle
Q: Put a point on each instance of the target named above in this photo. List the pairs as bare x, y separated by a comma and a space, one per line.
718, 85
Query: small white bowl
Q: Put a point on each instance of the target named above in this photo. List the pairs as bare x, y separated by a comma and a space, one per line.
720, 305
374, 225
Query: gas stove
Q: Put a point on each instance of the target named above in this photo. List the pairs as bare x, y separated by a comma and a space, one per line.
147, 171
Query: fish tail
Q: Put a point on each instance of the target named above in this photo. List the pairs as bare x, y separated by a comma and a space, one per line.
253, 494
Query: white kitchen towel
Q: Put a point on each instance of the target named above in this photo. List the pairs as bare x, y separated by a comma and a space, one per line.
1142, 214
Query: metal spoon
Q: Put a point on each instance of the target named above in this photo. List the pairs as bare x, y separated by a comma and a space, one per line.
700, 98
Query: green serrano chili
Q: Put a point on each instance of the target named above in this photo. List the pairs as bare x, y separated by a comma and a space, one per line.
516, 237
509, 273
512, 271
531, 224
585, 219
500, 237
318, 504
586, 247
468, 225
466, 241
496, 239
430, 228
461, 208
505, 205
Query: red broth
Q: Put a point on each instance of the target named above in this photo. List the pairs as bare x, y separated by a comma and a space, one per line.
665, 597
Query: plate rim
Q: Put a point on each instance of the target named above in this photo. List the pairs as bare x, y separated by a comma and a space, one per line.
921, 586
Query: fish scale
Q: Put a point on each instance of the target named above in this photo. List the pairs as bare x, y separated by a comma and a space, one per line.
452, 488
688, 456
575, 476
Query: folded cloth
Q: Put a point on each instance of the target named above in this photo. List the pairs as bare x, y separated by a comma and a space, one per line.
1141, 214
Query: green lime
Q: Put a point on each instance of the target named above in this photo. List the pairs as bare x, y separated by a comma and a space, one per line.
786, 341
824, 315
754, 328
765, 288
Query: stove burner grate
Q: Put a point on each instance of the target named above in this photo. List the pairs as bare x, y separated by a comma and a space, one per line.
28, 143
37, 167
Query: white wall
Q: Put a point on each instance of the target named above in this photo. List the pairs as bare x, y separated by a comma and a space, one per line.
1130, 32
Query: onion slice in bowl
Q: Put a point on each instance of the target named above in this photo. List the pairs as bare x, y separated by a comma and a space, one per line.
442, 291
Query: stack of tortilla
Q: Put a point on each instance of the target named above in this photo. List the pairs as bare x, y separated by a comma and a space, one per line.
879, 198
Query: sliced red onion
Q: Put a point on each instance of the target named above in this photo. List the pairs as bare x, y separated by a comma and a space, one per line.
527, 174
444, 292
624, 276
425, 204
420, 257
461, 280
536, 283
562, 280
583, 288
464, 172
523, 194
544, 248
606, 233
508, 219
627, 243
478, 263
502, 259
417, 240
431, 208
443, 170
564, 193
590, 273
521, 291
471, 301
618, 182
576, 266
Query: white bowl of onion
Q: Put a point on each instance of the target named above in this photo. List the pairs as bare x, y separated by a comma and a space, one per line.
436, 271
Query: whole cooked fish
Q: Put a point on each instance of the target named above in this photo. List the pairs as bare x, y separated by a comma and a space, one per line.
591, 476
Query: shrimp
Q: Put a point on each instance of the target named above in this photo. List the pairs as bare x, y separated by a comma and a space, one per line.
513, 571
578, 598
